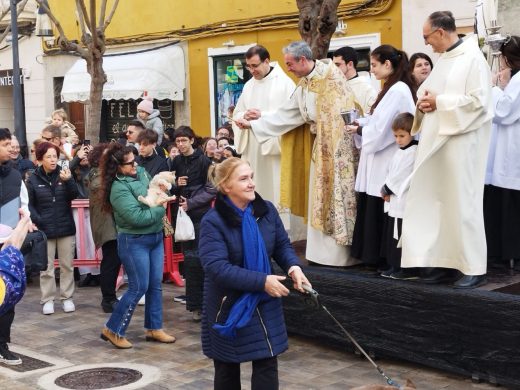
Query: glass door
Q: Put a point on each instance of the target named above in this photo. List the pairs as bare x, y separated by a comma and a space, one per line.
230, 75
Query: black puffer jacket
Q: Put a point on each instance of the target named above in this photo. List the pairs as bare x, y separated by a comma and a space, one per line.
49, 202
198, 192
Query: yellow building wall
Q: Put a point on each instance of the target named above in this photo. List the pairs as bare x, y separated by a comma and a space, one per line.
388, 24
135, 18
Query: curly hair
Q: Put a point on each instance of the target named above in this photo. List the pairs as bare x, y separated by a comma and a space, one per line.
96, 153
110, 161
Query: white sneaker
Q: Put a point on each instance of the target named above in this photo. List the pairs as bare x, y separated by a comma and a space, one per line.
68, 306
48, 308
141, 301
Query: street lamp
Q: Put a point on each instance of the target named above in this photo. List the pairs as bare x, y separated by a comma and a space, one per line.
19, 109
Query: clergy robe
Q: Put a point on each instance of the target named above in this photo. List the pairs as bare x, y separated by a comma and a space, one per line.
443, 223
267, 95
331, 201
364, 93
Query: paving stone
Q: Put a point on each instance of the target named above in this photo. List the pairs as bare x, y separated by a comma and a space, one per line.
307, 364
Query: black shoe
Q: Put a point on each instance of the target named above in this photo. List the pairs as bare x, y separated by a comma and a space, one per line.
389, 271
109, 306
85, 282
437, 275
405, 274
470, 281
7, 357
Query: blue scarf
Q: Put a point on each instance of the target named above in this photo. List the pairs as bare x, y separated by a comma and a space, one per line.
255, 259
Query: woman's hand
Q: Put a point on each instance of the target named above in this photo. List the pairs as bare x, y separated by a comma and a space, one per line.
65, 174
274, 288
20, 231
299, 278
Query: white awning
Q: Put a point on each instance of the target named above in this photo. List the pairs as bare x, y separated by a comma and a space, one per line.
159, 73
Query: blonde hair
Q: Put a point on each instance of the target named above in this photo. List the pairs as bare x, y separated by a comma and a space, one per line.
219, 174
61, 112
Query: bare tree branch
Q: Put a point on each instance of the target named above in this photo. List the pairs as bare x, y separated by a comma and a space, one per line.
110, 16
82, 9
102, 13
93, 27
81, 23
54, 20
2, 15
19, 10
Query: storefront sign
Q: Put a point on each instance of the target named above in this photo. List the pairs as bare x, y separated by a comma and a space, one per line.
6, 78
118, 113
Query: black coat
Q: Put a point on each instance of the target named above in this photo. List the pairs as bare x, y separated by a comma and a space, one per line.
198, 192
50, 203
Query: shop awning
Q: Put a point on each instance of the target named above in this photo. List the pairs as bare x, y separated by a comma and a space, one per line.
159, 73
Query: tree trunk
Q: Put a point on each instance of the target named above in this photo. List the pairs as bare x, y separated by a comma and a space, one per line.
98, 79
318, 21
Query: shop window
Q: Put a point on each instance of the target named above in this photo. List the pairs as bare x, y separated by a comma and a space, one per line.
229, 75
363, 58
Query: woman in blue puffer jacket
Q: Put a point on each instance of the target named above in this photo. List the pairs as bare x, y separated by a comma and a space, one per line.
242, 318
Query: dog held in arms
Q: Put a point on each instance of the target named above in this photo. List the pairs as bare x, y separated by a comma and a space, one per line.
157, 189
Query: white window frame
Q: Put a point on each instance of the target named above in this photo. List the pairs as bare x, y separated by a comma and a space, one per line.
370, 41
218, 52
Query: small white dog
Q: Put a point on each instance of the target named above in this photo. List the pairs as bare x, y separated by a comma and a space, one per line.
156, 195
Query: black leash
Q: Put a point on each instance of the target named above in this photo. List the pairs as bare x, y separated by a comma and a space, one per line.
314, 301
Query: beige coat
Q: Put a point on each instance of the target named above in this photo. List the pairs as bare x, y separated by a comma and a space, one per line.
443, 223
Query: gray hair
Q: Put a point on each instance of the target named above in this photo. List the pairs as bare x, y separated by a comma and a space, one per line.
298, 49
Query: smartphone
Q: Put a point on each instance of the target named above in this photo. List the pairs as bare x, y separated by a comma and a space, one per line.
86, 142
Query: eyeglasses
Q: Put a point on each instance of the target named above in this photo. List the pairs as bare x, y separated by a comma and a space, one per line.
47, 138
425, 37
253, 66
128, 163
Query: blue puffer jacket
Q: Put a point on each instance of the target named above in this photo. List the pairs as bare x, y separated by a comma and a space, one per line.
221, 255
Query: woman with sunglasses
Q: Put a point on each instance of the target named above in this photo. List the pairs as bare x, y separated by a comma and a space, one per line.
139, 244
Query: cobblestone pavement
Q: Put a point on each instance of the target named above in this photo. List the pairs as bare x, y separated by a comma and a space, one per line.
72, 339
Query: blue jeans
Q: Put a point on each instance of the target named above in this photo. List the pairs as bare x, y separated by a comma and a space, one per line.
142, 256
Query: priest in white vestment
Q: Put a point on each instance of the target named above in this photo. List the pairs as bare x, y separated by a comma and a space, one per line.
269, 88
332, 201
443, 223
346, 59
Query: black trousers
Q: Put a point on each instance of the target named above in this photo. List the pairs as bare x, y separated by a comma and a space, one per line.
6, 320
109, 270
264, 376
193, 271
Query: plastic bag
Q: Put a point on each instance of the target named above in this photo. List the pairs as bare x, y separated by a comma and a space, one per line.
184, 230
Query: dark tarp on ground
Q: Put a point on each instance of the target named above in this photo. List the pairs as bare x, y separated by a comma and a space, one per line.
468, 332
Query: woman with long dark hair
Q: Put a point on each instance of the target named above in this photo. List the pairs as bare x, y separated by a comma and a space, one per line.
139, 244
378, 146
502, 192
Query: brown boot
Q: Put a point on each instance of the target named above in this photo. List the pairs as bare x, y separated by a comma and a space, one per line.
159, 335
117, 341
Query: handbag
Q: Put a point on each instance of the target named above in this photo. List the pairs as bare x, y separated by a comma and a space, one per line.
184, 229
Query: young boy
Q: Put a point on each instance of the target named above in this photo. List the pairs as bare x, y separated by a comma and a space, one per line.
399, 169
